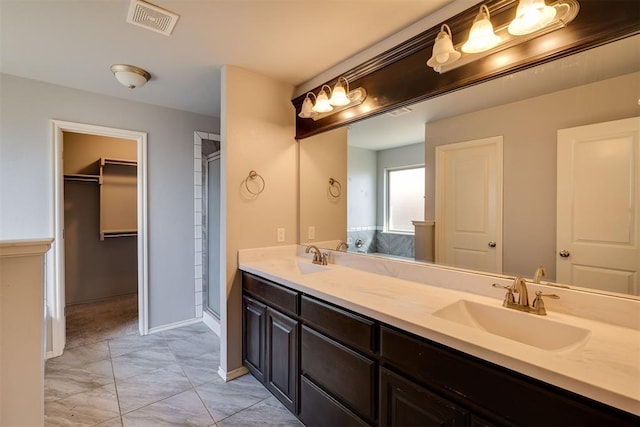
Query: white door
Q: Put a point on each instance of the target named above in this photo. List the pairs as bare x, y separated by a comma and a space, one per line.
598, 219
469, 204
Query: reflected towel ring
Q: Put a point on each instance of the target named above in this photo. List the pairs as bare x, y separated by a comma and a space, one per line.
335, 189
253, 176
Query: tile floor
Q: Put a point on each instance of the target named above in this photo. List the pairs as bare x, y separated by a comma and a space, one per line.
164, 379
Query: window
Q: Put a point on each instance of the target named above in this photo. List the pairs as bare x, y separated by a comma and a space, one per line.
405, 198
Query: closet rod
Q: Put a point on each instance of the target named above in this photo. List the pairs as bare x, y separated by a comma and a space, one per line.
104, 161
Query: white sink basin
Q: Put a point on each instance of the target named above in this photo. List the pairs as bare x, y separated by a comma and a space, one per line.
310, 268
526, 328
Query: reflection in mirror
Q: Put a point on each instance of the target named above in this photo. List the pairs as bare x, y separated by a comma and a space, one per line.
323, 189
527, 109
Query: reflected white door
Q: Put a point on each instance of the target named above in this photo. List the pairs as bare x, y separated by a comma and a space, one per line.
469, 204
598, 221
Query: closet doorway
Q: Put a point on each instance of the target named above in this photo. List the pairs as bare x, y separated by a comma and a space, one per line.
97, 287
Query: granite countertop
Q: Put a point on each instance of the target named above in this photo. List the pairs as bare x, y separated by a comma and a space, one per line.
604, 367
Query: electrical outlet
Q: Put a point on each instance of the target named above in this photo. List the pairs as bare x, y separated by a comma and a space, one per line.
311, 232
280, 234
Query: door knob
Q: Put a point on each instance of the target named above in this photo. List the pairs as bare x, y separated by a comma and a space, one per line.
492, 244
564, 253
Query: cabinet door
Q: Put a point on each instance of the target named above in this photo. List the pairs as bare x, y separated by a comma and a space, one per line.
254, 316
282, 358
403, 403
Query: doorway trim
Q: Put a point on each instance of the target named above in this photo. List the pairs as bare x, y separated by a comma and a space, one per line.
55, 293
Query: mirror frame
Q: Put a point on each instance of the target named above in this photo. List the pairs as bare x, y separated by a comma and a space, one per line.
400, 76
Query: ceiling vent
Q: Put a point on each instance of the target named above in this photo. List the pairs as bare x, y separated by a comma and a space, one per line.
151, 17
400, 112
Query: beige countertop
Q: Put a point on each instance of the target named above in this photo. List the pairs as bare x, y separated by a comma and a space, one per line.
604, 367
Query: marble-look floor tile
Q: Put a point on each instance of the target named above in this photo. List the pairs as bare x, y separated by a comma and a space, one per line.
195, 345
269, 412
83, 409
141, 390
225, 399
142, 361
114, 422
62, 381
184, 409
201, 369
80, 356
185, 332
127, 344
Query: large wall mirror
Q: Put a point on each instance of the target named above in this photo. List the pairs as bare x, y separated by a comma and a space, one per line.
508, 130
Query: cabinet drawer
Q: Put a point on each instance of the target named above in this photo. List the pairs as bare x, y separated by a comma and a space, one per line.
521, 400
317, 408
345, 374
346, 327
275, 295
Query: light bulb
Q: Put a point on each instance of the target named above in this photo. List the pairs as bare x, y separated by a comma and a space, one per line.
322, 103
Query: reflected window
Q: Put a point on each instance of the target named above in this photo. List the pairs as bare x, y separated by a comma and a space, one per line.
405, 198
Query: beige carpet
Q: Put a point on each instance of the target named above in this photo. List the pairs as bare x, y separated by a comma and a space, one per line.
101, 320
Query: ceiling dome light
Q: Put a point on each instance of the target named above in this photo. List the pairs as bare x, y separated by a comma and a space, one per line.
531, 16
339, 95
481, 36
322, 101
130, 76
443, 51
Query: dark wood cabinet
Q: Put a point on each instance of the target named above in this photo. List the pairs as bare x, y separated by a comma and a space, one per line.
403, 403
333, 367
348, 376
282, 358
253, 350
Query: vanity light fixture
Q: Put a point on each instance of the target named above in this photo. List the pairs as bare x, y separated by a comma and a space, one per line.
481, 37
130, 75
533, 18
443, 51
330, 101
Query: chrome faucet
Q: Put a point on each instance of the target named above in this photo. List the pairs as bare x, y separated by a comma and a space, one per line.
342, 245
318, 256
540, 273
519, 287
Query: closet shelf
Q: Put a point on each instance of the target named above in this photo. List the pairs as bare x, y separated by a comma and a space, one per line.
81, 177
105, 161
118, 233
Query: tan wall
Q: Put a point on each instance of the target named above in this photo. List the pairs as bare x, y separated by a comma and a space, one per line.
257, 130
322, 157
94, 268
81, 151
22, 333
529, 129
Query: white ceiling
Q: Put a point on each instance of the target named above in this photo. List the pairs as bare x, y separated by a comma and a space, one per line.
385, 131
73, 43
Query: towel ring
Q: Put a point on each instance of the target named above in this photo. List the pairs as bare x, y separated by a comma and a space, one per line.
335, 189
253, 176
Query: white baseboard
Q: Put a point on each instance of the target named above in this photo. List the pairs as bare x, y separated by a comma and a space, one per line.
211, 322
49, 354
232, 375
174, 325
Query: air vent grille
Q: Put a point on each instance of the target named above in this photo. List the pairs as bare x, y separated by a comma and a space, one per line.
151, 17
400, 112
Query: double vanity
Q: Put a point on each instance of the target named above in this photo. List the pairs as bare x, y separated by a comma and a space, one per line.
372, 341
